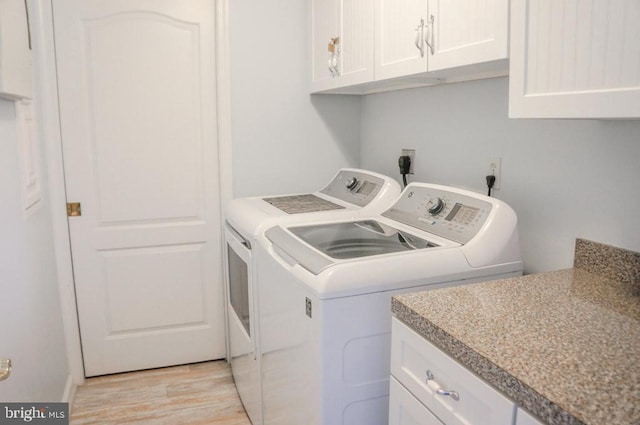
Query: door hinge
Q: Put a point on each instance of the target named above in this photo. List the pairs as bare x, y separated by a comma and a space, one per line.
73, 209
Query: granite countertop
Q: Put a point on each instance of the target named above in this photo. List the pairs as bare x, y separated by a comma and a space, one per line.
564, 345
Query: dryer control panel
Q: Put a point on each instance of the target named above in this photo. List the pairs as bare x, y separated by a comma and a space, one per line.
357, 188
454, 214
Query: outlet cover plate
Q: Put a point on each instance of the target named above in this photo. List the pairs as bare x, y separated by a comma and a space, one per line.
411, 153
494, 166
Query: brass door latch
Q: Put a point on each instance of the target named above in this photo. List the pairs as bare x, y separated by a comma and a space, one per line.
74, 209
5, 369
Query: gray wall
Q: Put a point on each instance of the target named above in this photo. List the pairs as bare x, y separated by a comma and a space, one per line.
564, 178
284, 140
31, 323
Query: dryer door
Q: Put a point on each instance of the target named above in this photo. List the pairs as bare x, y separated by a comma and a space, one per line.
242, 324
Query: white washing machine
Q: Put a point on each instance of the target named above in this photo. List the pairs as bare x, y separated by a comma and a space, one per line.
351, 193
325, 292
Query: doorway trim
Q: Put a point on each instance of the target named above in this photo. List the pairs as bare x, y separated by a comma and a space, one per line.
50, 132
46, 78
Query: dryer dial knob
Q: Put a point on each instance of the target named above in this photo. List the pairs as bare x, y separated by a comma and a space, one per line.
352, 183
435, 206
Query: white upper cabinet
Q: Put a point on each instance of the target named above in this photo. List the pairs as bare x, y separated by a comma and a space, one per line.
400, 45
341, 43
575, 59
324, 29
467, 32
15, 50
418, 36
365, 46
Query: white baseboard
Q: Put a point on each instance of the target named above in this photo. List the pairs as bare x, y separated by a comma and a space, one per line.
69, 392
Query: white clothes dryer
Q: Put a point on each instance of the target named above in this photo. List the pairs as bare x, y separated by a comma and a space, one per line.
325, 290
351, 193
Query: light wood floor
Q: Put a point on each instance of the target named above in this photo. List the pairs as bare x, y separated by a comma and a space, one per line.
202, 393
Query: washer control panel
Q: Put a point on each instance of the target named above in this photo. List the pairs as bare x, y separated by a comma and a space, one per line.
456, 215
354, 187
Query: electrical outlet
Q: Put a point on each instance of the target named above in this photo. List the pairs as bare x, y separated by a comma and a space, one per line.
411, 153
493, 169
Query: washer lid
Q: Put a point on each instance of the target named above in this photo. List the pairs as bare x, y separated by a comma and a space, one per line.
358, 239
304, 245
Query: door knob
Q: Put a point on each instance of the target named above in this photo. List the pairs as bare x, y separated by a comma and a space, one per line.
5, 369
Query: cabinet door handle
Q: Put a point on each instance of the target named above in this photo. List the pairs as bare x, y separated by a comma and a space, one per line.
334, 52
438, 389
419, 41
334, 64
429, 36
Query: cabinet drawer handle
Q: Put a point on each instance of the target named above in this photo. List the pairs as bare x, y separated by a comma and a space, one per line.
453, 394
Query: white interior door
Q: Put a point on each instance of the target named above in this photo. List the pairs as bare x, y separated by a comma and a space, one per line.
137, 106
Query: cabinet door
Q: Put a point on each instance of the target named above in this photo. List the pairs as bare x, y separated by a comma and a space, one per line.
356, 42
467, 32
324, 27
15, 51
395, 37
524, 418
575, 59
425, 371
405, 409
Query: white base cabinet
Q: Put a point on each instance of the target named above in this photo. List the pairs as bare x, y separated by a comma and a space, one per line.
575, 59
405, 409
15, 51
432, 388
